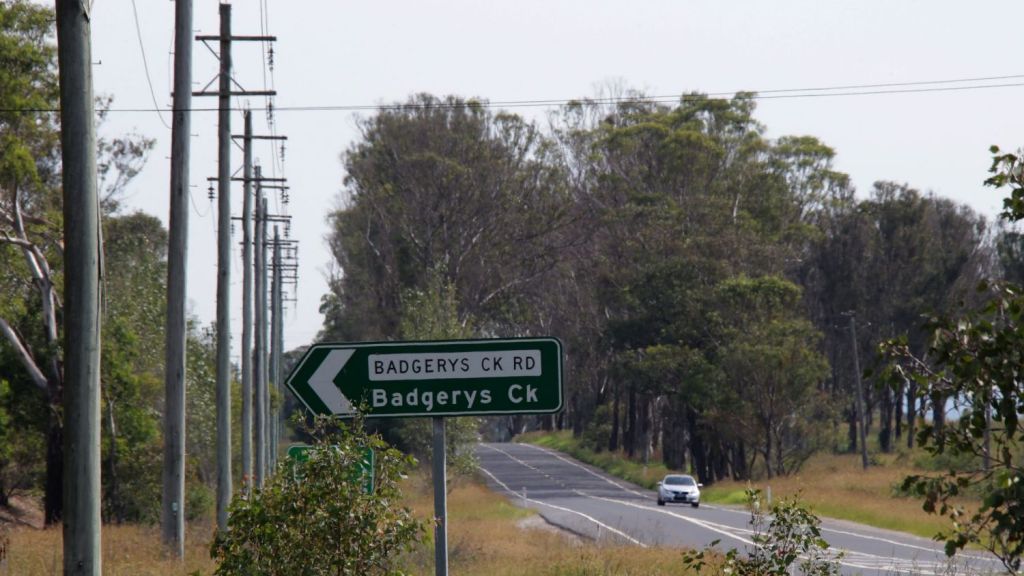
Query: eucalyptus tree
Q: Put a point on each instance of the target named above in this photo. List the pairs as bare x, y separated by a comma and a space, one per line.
448, 186
31, 226
30, 238
890, 259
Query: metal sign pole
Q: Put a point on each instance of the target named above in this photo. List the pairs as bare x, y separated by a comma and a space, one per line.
440, 501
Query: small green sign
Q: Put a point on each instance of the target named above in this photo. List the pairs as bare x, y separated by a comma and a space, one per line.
361, 471
451, 378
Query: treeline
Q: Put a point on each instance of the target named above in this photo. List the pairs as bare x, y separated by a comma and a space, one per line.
711, 286
32, 439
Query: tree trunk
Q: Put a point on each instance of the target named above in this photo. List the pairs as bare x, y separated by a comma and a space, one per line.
885, 420
898, 416
739, 462
911, 412
697, 452
630, 438
577, 421
613, 439
646, 426
852, 430
53, 496
673, 443
939, 417
113, 498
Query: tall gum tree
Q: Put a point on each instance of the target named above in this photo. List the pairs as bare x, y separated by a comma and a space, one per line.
31, 227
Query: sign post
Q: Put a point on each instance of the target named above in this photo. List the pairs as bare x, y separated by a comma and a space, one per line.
440, 499
432, 379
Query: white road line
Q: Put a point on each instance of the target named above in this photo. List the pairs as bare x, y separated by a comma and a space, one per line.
564, 509
903, 544
714, 527
606, 479
883, 561
894, 563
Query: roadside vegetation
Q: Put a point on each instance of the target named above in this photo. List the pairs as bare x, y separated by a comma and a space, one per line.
487, 534
728, 305
829, 485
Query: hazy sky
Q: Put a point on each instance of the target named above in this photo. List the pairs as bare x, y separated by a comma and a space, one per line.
344, 53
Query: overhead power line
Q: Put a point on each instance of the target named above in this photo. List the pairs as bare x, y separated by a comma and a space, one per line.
145, 66
917, 87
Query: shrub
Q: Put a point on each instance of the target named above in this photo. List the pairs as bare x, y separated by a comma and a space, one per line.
790, 533
322, 521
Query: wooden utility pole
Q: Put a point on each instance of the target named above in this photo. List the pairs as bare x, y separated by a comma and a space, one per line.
440, 498
276, 346
173, 497
264, 338
861, 417
247, 303
259, 377
83, 269
223, 94
224, 272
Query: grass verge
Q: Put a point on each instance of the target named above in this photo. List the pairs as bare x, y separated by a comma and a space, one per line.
128, 550
615, 463
489, 535
833, 486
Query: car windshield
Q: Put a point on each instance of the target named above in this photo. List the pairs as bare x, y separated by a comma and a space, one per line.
679, 480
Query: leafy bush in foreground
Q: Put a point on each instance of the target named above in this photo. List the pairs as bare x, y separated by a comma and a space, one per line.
788, 535
320, 521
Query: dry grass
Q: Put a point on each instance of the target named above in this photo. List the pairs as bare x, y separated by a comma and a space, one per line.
836, 486
831, 485
487, 535
128, 550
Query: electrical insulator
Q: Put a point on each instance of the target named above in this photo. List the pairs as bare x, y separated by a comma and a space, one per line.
210, 192
270, 57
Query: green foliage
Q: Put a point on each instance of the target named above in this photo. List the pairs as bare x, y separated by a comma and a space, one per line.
693, 268
615, 463
1006, 170
595, 436
132, 367
432, 314
201, 404
323, 523
20, 448
772, 363
786, 538
975, 361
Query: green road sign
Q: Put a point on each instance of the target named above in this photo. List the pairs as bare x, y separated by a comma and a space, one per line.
362, 471
453, 378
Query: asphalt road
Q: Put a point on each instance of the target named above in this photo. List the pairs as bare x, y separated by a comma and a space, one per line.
588, 502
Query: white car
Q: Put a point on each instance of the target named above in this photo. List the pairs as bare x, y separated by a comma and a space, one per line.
679, 488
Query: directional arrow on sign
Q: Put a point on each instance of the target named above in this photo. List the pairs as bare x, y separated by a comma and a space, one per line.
452, 378
322, 382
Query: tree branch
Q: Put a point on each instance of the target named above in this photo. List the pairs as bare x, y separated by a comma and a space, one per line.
24, 354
